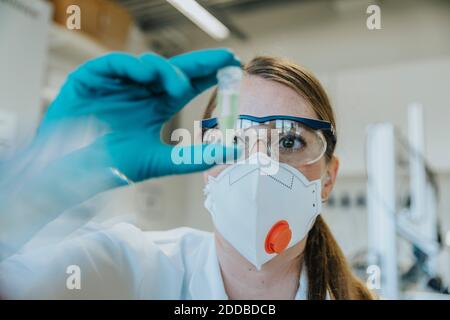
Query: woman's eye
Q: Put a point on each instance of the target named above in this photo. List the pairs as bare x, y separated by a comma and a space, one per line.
292, 142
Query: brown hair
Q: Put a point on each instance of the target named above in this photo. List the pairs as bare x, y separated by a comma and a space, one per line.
327, 268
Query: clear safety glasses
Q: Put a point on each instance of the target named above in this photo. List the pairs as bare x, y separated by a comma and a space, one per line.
293, 140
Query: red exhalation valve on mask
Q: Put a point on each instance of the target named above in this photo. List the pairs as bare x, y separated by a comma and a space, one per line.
278, 237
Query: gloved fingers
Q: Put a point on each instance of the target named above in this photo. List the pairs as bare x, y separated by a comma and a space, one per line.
172, 106
112, 70
201, 67
116, 69
204, 63
117, 66
201, 84
84, 83
195, 158
141, 155
173, 81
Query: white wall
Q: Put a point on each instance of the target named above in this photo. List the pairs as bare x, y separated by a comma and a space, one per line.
382, 93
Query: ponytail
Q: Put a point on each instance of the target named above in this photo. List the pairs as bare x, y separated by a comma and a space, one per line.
327, 269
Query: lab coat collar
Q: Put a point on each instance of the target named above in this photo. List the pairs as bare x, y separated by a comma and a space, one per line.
207, 282
302, 292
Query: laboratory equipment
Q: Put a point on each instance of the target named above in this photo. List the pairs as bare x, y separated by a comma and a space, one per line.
389, 219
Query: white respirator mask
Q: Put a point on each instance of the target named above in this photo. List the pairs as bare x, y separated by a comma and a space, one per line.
262, 207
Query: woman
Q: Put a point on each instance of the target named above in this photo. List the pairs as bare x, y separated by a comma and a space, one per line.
125, 262
275, 86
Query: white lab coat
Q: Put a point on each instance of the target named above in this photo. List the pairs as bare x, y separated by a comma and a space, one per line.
122, 262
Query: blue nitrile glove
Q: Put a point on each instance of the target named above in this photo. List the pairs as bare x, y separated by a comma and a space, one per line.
106, 119
132, 98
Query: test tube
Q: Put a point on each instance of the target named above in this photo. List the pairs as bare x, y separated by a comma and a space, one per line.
229, 83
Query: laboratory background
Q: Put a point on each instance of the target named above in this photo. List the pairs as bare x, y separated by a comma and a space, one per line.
385, 65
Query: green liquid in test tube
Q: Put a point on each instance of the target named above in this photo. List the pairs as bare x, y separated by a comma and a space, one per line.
229, 83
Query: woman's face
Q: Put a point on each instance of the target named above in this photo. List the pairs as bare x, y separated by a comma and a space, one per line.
260, 97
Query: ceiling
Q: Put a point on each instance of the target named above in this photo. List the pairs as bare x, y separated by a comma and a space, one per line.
163, 23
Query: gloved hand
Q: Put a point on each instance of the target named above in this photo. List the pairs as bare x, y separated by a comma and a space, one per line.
120, 102
131, 98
